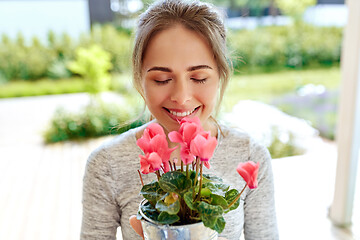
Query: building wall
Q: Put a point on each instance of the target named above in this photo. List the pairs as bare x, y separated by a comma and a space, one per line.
331, 1
100, 11
38, 17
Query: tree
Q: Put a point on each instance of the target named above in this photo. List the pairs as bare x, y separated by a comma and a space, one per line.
93, 65
294, 8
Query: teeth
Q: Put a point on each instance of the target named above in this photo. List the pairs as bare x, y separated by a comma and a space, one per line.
181, 114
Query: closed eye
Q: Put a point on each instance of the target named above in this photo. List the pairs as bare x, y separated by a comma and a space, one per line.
162, 82
203, 80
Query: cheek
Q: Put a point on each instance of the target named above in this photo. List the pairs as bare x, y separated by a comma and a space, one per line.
152, 96
209, 95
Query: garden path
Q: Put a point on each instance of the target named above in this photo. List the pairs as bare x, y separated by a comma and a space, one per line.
41, 184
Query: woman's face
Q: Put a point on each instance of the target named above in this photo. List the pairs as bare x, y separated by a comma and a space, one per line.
180, 77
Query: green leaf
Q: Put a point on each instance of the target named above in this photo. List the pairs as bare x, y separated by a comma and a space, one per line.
219, 224
170, 209
230, 196
217, 188
189, 200
165, 218
152, 192
149, 211
211, 178
208, 209
218, 200
209, 214
175, 182
192, 176
209, 221
205, 192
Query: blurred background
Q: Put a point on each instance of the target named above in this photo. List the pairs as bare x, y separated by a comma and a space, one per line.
65, 88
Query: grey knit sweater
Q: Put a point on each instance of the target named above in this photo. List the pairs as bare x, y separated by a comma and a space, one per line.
112, 185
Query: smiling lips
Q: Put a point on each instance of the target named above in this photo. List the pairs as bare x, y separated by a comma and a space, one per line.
178, 114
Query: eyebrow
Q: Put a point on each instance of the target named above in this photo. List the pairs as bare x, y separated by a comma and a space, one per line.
162, 69
189, 69
198, 67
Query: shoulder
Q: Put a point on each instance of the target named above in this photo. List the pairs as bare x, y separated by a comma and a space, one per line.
233, 135
120, 147
240, 140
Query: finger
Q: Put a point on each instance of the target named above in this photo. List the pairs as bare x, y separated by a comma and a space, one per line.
136, 225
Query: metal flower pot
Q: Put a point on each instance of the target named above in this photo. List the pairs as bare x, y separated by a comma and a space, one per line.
195, 231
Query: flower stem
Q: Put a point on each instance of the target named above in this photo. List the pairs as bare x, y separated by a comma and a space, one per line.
238, 196
187, 171
197, 171
182, 166
142, 182
158, 175
171, 167
200, 183
196, 176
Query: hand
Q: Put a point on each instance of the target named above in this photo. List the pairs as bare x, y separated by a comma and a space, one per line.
136, 225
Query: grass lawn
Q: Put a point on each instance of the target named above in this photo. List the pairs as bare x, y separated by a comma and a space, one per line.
266, 86
41, 87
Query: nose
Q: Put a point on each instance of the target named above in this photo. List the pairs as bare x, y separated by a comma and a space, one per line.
181, 93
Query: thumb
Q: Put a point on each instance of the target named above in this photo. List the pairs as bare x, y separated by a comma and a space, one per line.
136, 225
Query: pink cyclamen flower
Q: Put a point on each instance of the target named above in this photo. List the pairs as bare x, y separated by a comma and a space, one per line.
149, 133
149, 163
189, 128
249, 172
203, 146
154, 140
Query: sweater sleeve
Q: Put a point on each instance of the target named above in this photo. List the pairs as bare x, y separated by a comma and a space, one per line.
101, 215
259, 206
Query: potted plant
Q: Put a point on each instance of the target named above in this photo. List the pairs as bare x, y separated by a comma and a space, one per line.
185, 203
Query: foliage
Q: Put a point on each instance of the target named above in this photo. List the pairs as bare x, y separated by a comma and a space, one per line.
115, 41
64, 49
294, 8
21, 61
285, 47
319, 108
93, 65
215, 199
280, 148
188, 196
35, 60
93, 121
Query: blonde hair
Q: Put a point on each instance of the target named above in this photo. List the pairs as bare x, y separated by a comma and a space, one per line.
194, 15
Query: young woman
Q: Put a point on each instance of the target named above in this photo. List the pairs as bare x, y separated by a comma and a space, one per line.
181, 69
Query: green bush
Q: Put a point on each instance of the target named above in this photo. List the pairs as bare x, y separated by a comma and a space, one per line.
274, 48
93, 64
95, 120
118, 43
64, 50
21, 61
280, 149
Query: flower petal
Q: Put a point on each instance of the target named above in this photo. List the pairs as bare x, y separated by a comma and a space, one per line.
249, 171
